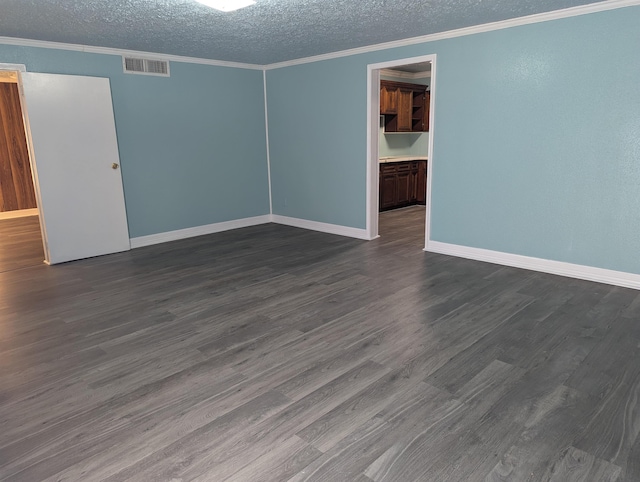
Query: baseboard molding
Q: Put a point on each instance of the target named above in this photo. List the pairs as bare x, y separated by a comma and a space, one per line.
198, 231
20, 213
322, 227
589, 273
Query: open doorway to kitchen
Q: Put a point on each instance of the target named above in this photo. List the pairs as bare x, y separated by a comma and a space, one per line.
399, 147
20, 233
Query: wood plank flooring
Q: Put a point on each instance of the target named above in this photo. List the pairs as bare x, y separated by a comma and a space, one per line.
20, 243
273, 353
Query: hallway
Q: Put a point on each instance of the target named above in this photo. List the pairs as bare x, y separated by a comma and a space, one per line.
20, 243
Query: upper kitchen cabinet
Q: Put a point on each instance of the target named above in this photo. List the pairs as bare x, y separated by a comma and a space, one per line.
388, 98
405, 101
420, 111
405, 107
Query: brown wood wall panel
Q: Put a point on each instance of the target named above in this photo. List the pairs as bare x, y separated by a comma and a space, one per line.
16, 183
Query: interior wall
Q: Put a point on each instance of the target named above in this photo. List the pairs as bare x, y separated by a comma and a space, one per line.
529, 156
192, 146
402, 144
317, 135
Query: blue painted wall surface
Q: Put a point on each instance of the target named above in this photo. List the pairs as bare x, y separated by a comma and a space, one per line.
317, 121
192, 146
402, 144
530, 155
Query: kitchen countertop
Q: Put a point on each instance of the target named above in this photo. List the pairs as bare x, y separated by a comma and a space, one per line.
384, 160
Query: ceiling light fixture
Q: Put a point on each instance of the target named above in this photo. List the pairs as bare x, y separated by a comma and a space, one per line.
227, 5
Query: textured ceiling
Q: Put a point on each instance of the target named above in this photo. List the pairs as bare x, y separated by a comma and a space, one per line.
270, 31
414, 68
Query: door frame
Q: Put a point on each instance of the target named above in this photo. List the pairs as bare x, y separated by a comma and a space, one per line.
19, 68
373, 130
34, 170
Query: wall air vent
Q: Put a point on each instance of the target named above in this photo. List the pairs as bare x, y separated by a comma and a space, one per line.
134, 65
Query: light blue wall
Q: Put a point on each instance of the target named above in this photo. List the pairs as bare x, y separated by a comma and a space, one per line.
192, 146
317, 121
402, 144
530, 155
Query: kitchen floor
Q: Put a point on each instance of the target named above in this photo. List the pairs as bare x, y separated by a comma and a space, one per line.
406, 224
274, 353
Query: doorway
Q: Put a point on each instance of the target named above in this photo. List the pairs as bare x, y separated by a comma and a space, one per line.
21, 243
400, 148
73, 153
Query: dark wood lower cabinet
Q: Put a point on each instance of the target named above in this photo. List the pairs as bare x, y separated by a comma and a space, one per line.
388, 186
404, 178
402, 184
421, 183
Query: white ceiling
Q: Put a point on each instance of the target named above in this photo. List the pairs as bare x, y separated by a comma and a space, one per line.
414, 68
270, 31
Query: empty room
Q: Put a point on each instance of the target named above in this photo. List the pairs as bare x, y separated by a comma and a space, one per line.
320, 240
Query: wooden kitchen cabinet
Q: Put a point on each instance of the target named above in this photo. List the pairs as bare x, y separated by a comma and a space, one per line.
402, 184
405, 107
405, 104
404, 178
420, 111
388, 187
388, 99
421, 182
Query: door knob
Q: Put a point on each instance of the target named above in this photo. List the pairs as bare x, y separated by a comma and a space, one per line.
114, 165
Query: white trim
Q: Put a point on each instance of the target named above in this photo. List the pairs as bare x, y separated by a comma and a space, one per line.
322, 227
373, 154
589, 273
373, 134
461, 32
266, 129
120, 52
17, 67
34, 170
432, 128
487, 27
165, 237
141, 241
405, 75
19, 213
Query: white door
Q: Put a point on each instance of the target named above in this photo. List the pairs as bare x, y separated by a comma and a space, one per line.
76, 165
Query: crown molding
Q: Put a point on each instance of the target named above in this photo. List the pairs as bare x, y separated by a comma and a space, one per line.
18, 67
120, 52
487, 27
405, 75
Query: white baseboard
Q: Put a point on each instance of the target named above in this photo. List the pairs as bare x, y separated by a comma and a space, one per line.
322, 227
20, 213
151, 239
198, 231
589, 273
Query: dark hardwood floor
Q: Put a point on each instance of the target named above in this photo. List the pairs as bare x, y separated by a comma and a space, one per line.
20, 243
274, 353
